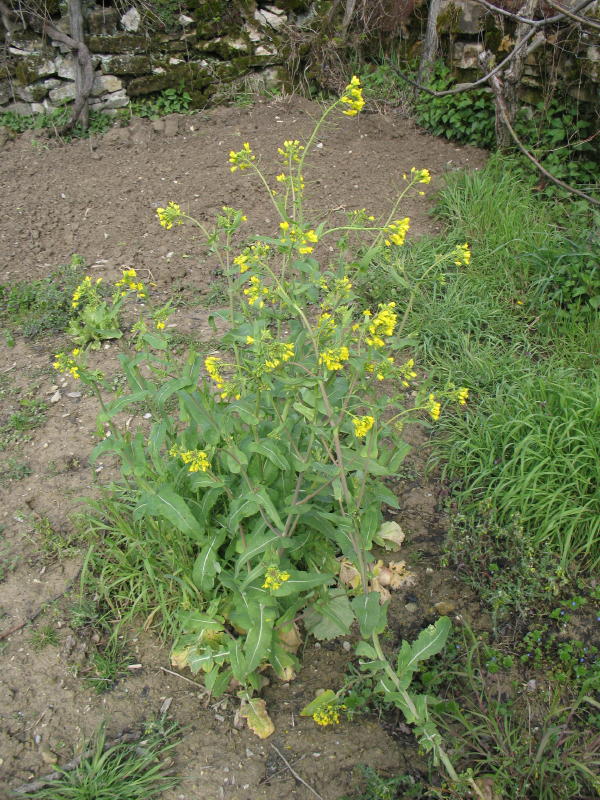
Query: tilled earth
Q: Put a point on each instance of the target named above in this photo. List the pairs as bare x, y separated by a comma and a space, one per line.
98, 198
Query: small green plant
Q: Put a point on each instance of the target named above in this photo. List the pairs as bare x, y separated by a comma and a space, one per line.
109, 664
128, 770
41, 305
170, 101
54, 120
44, 636
376, 787
13, 470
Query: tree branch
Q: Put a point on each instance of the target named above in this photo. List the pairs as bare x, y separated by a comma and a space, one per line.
585, 21
537, 23
497, 89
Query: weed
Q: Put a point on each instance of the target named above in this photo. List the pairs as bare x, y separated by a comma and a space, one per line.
13, 470
110, 664
170, 101
376, 787
128, 770
53, 121
44, 636
42, 305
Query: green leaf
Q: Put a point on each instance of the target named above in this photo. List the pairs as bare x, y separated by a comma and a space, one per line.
217, 681
300, 582
155, 340
245, 409
170, 388
429, 642
237, 660
206, 566
365, 649
371, 615
114, 408
329, 617
258, 638
245, 506
326, 698
257, 543
205, 659
169, 505
307, 412
270, 450
254, 711
263, 499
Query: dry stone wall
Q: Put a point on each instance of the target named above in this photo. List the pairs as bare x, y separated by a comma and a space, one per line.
217, 43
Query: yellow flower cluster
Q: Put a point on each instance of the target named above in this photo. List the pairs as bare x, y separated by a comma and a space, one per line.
213, 367
294, 182
352, 97
360, 217
169, 216
382, 324
196, 460
129, 284
462, 395
256, 292
242, 159
274, 577
329, 714
326, 324
407, 372
68, 364
334, 357
462, 255
279, 352
86, 291
384, 368
252, 257
230, 219
302, 240
396, 232
433, 407
362, 425
420, 175
291, 150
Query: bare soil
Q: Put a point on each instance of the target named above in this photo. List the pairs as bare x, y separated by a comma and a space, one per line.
98, 198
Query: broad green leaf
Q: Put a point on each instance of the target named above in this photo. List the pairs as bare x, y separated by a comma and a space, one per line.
390, 535
206, 565
155, 340
206, 504
371, 615
429, 642
258, 638
170, 388
301, 582
205, 659
237, 660
168, 504
195, 622
114, 408
257, 543
244, 506
307, 412
283, 662
270, 450
263, 499
217, 681
326, 698
246, 411
329, 617
365, 649
254, 711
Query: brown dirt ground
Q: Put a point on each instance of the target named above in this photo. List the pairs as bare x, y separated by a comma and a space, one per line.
98, 198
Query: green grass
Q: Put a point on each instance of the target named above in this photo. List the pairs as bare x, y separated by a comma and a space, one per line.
138, 569
128, 770
532, 449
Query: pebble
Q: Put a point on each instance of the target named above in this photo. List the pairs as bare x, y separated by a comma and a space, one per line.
444, 607
55, 397
347, 646
73, 394
411, 608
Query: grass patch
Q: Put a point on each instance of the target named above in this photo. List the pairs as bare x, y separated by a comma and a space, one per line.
42, 306
128, 770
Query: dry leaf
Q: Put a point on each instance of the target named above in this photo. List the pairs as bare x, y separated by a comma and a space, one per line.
254, 711
390, 532
289, 636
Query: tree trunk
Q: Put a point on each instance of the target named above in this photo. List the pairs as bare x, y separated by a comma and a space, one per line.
76, 22
431, 43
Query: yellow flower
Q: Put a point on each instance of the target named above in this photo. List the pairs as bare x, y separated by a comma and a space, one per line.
242, 159
274, 577
329, 714
169, 216
291, 150
195, 460
68, 364
420, 175
249, 339
433, 407
462, 395
212, 366
382, 324
462, 255
362, 425
255, 292
334, 357
396, 232
160, 326
352, 97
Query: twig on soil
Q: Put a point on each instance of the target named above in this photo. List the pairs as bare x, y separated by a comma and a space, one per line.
27, 788
294, 773
8, 369
279, 772
183, 678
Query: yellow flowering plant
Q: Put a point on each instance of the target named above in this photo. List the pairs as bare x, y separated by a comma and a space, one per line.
273, 465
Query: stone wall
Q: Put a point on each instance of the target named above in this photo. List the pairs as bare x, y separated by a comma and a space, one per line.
212, 46
218, 43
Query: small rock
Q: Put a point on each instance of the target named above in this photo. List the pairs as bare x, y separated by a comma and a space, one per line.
346, 646
531, 686
55, 397
131, 20
444, 607
411, 608
74, 394
48, 756
158, 126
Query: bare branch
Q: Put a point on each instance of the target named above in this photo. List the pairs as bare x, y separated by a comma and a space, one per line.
466, 87
497, 89
585, 21
537, 23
